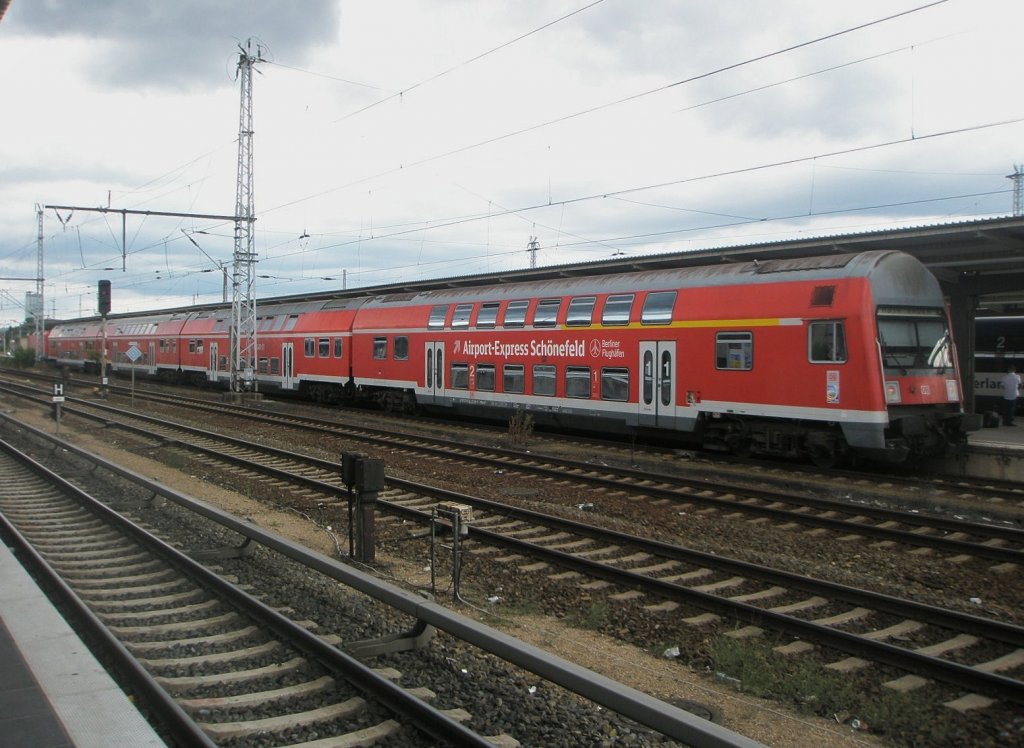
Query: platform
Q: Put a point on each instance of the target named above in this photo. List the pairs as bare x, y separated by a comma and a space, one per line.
53, 692
994, 453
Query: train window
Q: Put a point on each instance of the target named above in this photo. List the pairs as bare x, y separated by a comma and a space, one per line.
430, 368
648, 377
265, 323
275, 367
461, 316
666, 378
658, 308
437, 315
338, 347
823, 295
223, 363
581, 311
515, 313
546, 314
401, 348
292, 321
914, 340
615, 384
199, 345
485, 377
514, 378
460, 376
826, 342
488, 315
544, 380
279, 321
617, 309
324, 347
263, 366
310, 347
577, 381
380, 348
734, 351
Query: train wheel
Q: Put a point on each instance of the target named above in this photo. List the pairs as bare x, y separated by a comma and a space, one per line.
739, 444
824, 457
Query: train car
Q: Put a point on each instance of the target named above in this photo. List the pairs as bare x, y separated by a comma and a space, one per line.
76, 345
305, 347
145, 343
204, 345
823, 357
998, 342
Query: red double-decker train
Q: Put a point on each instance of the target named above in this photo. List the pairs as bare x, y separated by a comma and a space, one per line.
824, 357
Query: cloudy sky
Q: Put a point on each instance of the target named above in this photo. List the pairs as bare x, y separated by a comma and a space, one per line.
407, 139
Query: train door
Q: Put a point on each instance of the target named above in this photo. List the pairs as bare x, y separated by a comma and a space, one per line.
433, 370
657, 383
211, 371
287, 366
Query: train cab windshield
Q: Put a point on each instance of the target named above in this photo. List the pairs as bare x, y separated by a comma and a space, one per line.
914, 339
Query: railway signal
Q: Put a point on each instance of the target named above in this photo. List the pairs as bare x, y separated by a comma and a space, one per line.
103, 294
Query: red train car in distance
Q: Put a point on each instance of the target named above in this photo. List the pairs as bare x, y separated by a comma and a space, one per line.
301, 346
818, 357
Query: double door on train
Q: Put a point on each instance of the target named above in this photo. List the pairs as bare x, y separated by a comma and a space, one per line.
213, 370
288, 366
657, 383
433, 370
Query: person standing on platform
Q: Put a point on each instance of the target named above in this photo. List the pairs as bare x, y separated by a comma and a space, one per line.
1011, 391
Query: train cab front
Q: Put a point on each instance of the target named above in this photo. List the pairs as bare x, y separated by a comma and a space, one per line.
922, 386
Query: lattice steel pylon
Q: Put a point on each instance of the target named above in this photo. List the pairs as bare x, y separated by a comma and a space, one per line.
243, 305
1018, 189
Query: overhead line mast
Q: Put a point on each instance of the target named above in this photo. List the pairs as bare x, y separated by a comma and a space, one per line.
243, 306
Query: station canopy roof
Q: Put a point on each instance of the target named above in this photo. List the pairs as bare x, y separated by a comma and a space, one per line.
983, 258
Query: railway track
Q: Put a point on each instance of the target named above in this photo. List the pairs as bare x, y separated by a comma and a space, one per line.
492, 695
899, 482
964, 652
1000, 543
239, 668
994, 500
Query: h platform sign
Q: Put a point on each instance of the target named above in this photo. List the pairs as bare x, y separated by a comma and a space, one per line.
58, 398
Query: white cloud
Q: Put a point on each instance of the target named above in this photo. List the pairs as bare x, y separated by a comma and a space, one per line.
135, 102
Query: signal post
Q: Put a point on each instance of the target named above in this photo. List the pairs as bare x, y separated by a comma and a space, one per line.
103, 295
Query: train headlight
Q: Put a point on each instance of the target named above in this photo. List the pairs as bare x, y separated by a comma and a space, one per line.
892, 392
952, 390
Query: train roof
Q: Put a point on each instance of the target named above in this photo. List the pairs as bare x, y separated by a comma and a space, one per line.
894, 275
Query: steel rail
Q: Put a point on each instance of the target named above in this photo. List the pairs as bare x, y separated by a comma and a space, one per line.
995, 630
993, 488
425, 717
486, 456
907, 537
988, 628
172, 716
937, 668
640, 707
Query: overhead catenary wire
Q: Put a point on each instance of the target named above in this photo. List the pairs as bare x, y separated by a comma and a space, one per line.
381, 234
614, 103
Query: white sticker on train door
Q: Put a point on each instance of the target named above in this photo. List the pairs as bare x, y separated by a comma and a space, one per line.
832, 388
